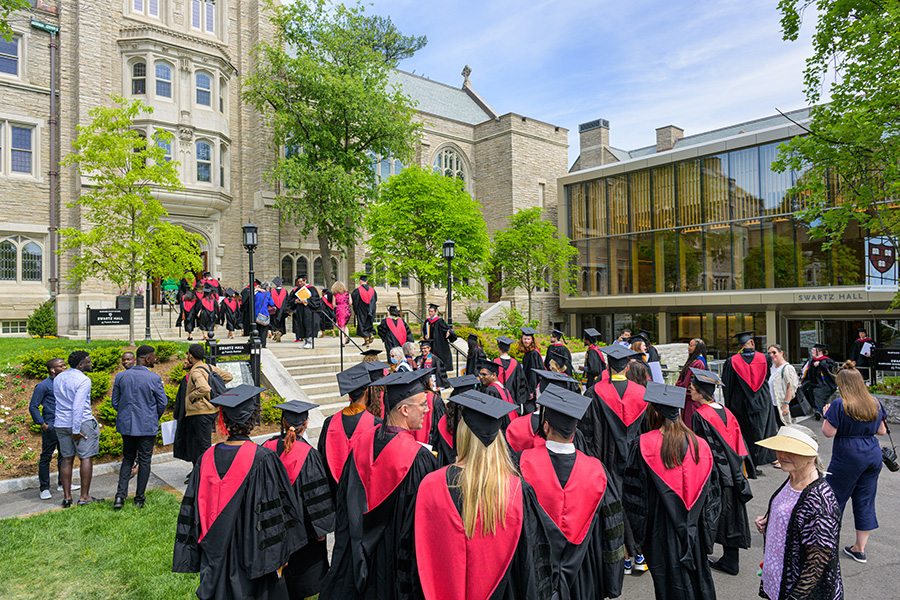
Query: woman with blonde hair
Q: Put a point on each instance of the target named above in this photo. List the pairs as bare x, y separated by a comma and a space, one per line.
476, 527
853, 420
341, 299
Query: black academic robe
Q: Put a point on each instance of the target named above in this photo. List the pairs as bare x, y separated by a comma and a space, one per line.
339, 431
676, 529
582, 515
510, 564
308, 565
374, 503
208, 311
512, 376
444, 443
364, 300
522, 434
440, 372
442, 335
329, 320
747, 395
306, 318
231, 313
615, 418
715, 424
531, 362
856, 352
184, 286
561, 355
282, 308
497, 390
593, 366
238, 546
475, 357
394, 333
247, 313
188, 316
818, 382
652, 354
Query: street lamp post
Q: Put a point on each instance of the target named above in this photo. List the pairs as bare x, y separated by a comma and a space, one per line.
449, 251
251, 241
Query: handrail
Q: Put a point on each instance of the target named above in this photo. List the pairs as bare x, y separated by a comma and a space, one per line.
421, 320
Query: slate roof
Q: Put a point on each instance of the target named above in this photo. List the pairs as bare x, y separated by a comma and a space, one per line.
439, 99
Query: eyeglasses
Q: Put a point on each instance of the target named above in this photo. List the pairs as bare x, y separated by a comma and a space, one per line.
423, 405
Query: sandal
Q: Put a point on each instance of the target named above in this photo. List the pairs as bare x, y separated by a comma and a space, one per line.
91, 501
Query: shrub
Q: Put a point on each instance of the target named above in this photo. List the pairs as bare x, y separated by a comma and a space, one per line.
177, 374
34, 363
107, 412
171, 392
106, 359
110, 442
42, 322
163, 419
268, 413
512, 321
889, 386
164, 350
473, 314
100, 384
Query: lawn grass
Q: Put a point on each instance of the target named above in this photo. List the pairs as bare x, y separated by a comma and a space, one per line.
11, 348
94, 552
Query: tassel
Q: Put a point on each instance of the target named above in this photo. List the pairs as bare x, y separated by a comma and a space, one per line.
220, 425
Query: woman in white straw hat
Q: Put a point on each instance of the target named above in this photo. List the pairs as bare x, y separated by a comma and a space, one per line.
802, 524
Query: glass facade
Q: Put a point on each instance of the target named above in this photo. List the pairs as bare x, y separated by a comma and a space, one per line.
716, 330
715, 223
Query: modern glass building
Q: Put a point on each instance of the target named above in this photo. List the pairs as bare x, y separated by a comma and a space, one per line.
697, 237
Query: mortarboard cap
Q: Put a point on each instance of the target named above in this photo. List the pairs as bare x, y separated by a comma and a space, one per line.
861, 329
425, 341
558, 333
563, 408
667, 400
473, 337
489, 365
238, 403
591, 333
257, 282
504, 342
295, 412
820, 346
401, 385
230, 292
638, 337
376, 369
528, 331
352, 379
364, 278
433, 306
706, 377
554, 377
462, 384
644, 333
278, 281
743, 337
370, 352
618, 356
393, 308
207, 289
483, 414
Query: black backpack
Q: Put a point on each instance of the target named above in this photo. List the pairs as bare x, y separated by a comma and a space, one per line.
216, 384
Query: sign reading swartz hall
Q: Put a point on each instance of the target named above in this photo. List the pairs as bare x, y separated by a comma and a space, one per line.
109, 316
818, 297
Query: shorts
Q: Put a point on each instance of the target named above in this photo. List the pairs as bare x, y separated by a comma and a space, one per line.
87, 446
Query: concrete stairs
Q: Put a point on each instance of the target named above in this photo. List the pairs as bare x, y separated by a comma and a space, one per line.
162, 326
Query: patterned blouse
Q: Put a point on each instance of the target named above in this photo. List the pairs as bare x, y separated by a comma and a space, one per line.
811, 570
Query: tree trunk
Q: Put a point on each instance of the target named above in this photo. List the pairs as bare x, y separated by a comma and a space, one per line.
131, 314
422, 311
529, 290
325, 253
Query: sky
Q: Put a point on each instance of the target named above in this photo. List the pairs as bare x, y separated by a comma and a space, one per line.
640, 64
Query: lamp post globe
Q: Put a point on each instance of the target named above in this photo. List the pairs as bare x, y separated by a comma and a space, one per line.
251, 239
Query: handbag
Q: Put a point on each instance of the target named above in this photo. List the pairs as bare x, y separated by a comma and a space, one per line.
800, 406
889, 453
264, 318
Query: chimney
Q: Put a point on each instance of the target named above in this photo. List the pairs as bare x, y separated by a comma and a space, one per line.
594, 143
667, 136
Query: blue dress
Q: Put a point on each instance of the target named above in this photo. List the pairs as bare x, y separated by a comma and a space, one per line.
855, 463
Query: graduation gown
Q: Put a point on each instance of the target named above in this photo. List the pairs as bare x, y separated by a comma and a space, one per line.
375, 501
582, 515
436, 329
444, 443
473, 359
511, 564
339, 431
673, 514
531, 361
512, 376
715, 424
522, 434
856, 352
394, 333
208, 311
747, 396
247, 314
440, 373
364, 300
436, 410
612, 423
279, 297
818, 382
497, 390
561, 355
188, 316
231, 313
238, 523
306, 471
329, 319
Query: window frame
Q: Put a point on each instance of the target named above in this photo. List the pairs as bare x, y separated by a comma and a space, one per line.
133, 78
200, 19
461, 159
31, 154
157, 80
19, 243
198, 89
6, 149
168, 145
198, 161
17, 39
145, 8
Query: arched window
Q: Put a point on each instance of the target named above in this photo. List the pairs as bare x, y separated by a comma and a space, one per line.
31, 262
302, 267
163, 80
585, 282
164, 142
203, 15
7, 261
599, 277
204, 89
222, 88
223, 162
204, 162
138, 79
334, 269
318, 272
287, 265
450, 164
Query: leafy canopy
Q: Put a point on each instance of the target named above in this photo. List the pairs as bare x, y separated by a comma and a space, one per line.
330, 105
527, 247
7, 7
416, 212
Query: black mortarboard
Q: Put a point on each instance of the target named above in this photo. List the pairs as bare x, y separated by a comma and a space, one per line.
352, 379
862, 330
504, 342
820, 346
427, 341
376, 369
392, 308
207, 289
238, 403
743, 337
370, 352
706, 377
552, 376
489, 365
230, 292
364, 278
558, 333
295, 412
644, 333
592, 333
667, 400
618, 356
257, 282
563, 408
401, 385
462, 384
639, 336
528, 330
278, 281
473, 337
483, 414
433, 306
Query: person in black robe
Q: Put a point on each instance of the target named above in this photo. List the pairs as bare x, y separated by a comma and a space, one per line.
616, 417
344, 427
327, 314
364, 300
862, 361
817, 382
475, 355
435, 328
185, 285
305, 304
231, 311
190, 306
240, 520
511, 374
580, 506
279, 297
716, 424
444, 441
593, 358
525, 433
488, 375
672, 499
247, 313
531, 362
559, 352
376, 495
747, 395
393, 330
652, 352
428, 359
306, 471
208, 311
508, 545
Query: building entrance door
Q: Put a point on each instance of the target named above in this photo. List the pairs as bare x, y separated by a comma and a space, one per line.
837, 334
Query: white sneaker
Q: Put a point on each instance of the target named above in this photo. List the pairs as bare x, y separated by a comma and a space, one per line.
75, 486
306, 346
45, 495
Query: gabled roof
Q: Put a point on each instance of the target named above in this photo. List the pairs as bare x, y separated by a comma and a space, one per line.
439, 99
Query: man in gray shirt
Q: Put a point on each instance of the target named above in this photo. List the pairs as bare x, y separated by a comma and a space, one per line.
76, 428
140, 400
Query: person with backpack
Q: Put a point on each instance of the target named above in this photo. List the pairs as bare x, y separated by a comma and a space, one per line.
204, 383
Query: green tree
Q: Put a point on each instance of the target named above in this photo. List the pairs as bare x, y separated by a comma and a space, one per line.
528, 246
416, 212
6, 8
128, 237
850, 157
331, 108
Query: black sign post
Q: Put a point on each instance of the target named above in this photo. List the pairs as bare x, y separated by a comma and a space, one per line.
248, 352
886, 359
99, 317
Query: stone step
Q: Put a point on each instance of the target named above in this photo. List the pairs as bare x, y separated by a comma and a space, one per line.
300, 359
315, 369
